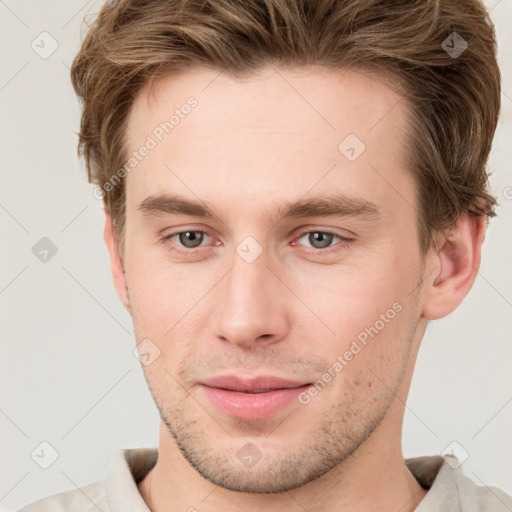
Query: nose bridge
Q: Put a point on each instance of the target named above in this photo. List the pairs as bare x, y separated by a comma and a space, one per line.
247, 309
247, 282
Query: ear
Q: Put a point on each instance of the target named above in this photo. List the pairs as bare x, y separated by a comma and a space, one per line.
455, 262
116, 263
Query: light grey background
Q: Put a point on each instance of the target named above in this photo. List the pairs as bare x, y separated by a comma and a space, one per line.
68, 374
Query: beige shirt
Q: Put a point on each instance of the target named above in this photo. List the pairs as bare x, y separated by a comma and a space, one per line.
449, 489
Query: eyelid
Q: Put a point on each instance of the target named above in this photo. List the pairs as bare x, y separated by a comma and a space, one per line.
343, 240
180, 248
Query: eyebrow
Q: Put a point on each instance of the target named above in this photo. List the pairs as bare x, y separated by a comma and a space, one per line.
337, 205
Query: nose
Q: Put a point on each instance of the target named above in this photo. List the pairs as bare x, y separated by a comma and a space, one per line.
250, 305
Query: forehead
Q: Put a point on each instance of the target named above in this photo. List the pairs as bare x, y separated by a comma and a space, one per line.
280, 131
271, 99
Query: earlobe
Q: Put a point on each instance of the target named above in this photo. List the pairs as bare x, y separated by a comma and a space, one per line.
116, 264
455, 265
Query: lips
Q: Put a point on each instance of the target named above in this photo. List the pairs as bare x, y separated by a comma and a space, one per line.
252, 398
251, 385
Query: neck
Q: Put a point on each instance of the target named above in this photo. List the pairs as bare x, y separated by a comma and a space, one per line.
374, 478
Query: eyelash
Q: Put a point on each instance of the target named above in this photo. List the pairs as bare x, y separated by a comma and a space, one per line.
343, 241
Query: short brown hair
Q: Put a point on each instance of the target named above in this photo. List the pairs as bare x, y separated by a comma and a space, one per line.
455, 100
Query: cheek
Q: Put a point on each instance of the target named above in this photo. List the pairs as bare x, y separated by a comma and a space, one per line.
339, 302
366, 361
346, 300
162, 292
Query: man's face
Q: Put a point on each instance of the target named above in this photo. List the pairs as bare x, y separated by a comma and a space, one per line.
262, 290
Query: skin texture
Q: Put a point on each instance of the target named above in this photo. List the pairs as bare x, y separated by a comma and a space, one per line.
249, 147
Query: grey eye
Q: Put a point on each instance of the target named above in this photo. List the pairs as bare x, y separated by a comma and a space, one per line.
319, 239
191, 239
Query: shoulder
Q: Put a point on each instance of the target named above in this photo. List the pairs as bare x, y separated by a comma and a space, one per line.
117, 492
92, 497
451, 490
476, 496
